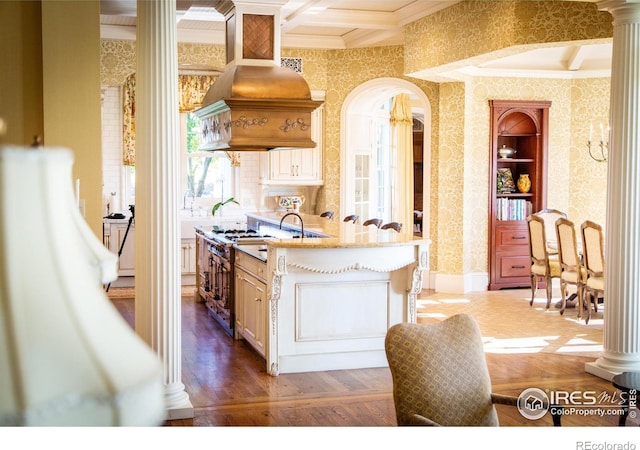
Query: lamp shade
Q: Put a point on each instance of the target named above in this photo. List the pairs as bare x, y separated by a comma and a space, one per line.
67, 357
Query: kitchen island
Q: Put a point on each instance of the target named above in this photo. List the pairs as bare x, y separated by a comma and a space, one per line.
330, 300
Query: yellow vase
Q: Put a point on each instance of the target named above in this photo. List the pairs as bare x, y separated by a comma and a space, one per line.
524, 183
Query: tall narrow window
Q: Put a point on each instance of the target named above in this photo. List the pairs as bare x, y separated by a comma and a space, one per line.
383, 174
206, 176
362, 185
373, 167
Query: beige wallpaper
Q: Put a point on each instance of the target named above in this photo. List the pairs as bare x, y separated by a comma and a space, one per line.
576, 183
117, 61
472, 32
460, 112
314, 65
587, 185
346, 70
118, 58
475, 29
451, 180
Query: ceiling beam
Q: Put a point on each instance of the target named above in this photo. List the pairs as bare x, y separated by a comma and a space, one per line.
577, 56
301, 15
334, 18
372, 38
293, 40
419, 9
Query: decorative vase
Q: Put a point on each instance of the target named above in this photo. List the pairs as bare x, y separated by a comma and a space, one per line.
505, 183
524, 183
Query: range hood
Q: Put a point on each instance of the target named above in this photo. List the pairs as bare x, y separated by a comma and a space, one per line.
255, 105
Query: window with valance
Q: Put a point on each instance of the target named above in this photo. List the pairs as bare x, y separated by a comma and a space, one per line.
191, 92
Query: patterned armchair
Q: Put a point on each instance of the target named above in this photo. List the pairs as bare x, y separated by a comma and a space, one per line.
440, 374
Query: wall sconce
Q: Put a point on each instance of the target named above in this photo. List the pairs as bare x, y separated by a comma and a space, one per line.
603, 151
67, 357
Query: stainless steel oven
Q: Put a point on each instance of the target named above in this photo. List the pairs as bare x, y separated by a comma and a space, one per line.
219, 280
217, 275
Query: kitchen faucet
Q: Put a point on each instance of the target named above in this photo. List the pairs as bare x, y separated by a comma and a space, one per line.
184, 199
298, 216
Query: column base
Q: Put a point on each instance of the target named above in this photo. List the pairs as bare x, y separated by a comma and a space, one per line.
606, 368
184, 411
594, 369
177, 402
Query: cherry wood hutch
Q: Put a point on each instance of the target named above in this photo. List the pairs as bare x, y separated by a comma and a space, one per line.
521, 126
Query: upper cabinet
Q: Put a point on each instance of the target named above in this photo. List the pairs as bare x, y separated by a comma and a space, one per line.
518, 150
297, 166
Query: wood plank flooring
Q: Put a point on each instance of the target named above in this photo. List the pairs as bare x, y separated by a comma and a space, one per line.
526, 347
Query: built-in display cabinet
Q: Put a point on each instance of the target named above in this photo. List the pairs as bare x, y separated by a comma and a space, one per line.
518, 148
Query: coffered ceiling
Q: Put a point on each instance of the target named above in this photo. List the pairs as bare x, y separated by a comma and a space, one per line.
341, 24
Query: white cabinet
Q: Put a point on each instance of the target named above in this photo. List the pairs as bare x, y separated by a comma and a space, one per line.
298, 166
251, 301
114, 235
188, 256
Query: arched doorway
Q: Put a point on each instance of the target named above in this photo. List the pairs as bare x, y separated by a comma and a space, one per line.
363, 141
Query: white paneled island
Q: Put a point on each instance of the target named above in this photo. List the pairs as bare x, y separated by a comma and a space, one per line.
330, 300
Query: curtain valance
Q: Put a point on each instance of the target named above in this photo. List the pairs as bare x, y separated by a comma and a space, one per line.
191, 92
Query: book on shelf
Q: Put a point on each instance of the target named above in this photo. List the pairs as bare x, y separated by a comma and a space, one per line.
513, 208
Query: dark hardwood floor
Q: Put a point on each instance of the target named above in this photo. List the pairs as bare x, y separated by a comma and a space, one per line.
526, 347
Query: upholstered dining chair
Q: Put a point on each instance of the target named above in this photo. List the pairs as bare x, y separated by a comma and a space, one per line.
440, 375
550, 216
392, 226
543, 266
572, 272
352, 218
327, 214
593, 253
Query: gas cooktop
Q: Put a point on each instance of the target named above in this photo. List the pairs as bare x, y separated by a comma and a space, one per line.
234, 236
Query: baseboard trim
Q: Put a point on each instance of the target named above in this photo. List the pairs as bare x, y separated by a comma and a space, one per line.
460, 284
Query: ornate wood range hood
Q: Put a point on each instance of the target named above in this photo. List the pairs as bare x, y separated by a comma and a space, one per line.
255, 105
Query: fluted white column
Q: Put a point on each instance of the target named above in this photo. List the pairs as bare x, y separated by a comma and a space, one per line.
157, 246
622, 241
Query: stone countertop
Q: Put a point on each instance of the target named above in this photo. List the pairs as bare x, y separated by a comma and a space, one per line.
314, 224
340, 234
